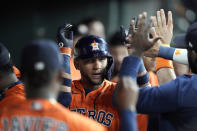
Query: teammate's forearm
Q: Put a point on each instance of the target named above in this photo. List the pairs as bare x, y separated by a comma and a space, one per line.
128, 120
66, 75
164, 67
65, 96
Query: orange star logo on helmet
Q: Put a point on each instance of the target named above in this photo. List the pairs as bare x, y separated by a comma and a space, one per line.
95, 45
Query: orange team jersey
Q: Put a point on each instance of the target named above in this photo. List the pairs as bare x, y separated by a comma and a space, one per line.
96, 104
43, 115
13, 95
16, 71
75, 74
153, 79
142, 120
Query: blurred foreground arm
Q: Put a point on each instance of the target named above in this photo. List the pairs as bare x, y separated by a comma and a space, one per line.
127, 94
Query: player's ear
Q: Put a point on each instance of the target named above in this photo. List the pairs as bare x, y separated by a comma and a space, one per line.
76, 63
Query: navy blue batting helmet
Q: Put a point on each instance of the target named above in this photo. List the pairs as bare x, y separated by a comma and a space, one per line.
93, 46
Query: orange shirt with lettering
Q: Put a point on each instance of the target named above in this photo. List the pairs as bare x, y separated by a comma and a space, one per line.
41, 114
75, 74
96, 104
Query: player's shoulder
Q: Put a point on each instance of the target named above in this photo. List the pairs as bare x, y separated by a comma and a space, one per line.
32, 106
15, 94
13, 105
16, 90
187, 78
18, 87
74, 120
188, 81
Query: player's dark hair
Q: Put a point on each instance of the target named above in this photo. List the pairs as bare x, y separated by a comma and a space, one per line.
115, 39
192, 61
38, 79
6, 69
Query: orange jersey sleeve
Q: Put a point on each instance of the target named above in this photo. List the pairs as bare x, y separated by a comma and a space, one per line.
75, 74
96, 104
13, 95
153, 79
40, 114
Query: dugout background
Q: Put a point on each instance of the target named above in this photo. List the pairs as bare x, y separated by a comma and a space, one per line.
21, 22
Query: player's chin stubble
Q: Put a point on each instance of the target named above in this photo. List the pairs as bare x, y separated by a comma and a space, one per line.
90, 81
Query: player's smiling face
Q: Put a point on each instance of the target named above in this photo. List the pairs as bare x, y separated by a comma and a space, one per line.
93, 69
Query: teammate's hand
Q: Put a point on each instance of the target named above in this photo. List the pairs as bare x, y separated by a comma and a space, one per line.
139, 40
154, 50
127, 93
65, 36
163, 27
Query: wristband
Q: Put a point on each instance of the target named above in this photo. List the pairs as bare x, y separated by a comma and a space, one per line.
67, 82
176, 54
143, 79
130, 67
163, 63
166, 52
66, 51
166, 45
65, 89
180, 56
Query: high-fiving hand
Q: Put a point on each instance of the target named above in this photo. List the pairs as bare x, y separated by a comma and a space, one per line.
139, 40
163, 27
